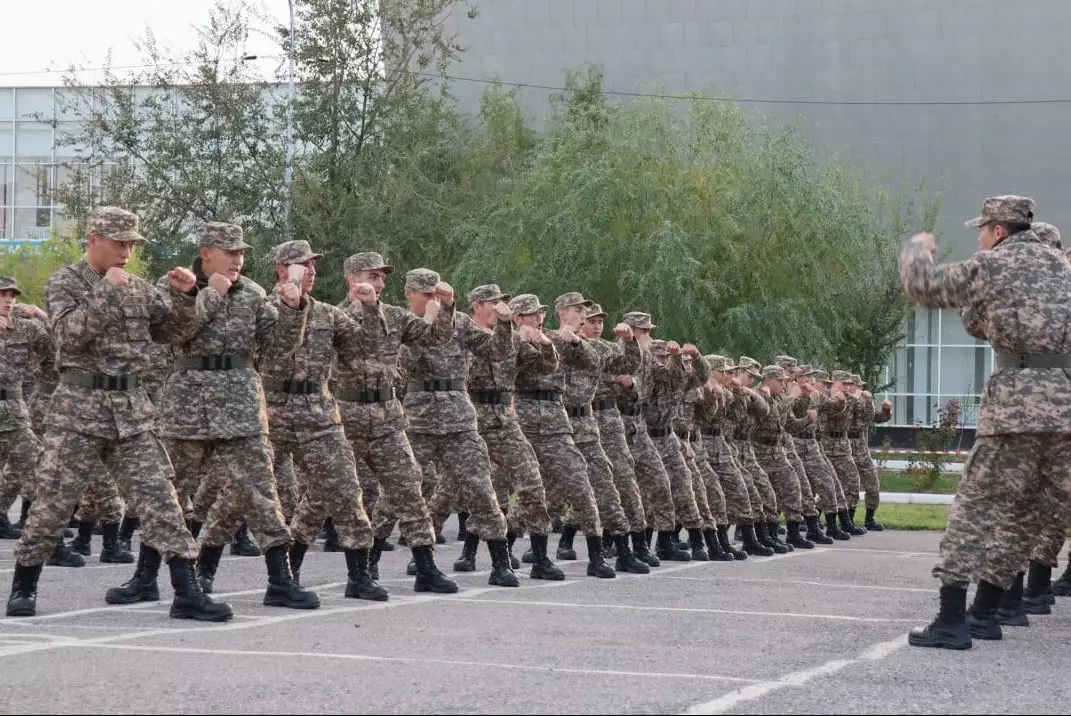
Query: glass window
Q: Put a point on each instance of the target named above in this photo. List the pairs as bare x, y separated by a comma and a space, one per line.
7, 103
7, 138
34, 103
33, 184
5, 222
959, 372
7, 182
33, 139
33, 224
952, 331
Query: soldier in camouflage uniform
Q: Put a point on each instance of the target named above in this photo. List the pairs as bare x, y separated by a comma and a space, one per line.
1017, 285
374, 421
829, 499
213, 404
619, 358
863, 415
102, 320
838, 450
545, 422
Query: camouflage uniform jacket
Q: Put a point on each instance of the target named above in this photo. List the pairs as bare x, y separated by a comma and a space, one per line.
582, 384
445, 412
863, 414
487, 375
330, 335
669, 383
26, 350
768, 432
549, 417
618, 358
711, 411
1020, 292
98, 328
833, 424
243, 324
399, 327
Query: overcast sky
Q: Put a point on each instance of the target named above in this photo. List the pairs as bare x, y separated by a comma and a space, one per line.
43, 34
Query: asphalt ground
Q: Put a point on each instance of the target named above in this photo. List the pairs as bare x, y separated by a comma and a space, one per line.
818, 631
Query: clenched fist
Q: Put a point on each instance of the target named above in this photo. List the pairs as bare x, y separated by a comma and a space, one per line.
181, 279
445, 293
625, 381
765, 390
689, 350
674, 348
290, 294
220, 283
926, 239
812, 415
117, 276
35, 312
623, 330
502, 311
431, 310
570, 335
364, 293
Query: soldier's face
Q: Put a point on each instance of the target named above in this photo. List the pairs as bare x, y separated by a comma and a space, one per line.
776, 386
989, 235
105, 253
7, 302
484, 311
377, 279
535, 320
224, 262
592, 327
572, 316
418, 301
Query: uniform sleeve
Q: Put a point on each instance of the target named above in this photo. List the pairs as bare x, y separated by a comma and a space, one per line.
938, 286
78, 319
494, 346
42, 347
417, 332
356, 340
622, 356
280, 330
541, 360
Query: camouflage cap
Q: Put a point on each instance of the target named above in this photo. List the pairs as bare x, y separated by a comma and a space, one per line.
526, 304
719, 363
750, 365
218, 235
857, 379
774, 372
638, 319
842, 376
573, 298
595, 311
819, 374
293, 252
1010, 208
488, 292
660, 347
114, 223
1048, 233
8, 283
422, 280
801, 370
787, 362
366, 261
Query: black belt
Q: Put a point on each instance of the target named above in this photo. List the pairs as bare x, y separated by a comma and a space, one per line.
835, 436
710, 432
809, 434
491, 397
100, 381
551, 395
436, 386
855, 435
739, 435
46, 388
659, 432
1033, 360
210, 363
366, 396
763, 440
686, 435
634, 411
579, 412
606, 404
293, 387
10, 393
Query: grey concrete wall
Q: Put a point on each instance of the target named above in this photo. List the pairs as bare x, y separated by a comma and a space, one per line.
864, 51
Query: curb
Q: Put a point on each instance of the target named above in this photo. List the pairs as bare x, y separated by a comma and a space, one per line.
913, 498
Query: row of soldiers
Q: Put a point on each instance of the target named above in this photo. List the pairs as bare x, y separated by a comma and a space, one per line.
491, 414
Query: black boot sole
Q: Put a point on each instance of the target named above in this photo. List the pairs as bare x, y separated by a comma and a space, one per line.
632, 567
932, 642
503, 579
606, 573
464, 566
354, 591
550, 576
182, 612
22, 609
1017, 619
311, 601
450, 588
117, 558
112, 596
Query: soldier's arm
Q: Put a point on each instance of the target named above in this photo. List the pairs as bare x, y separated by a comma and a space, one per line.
280, 329
43, 350
174, 316
757, 403
494, 346
76, 317
540, 360
973, 322
356, 340
947, 285
699, 375
580, 355
622, 356
795, 423
669, 376
415, 331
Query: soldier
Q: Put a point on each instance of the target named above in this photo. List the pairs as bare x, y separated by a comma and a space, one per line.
1019, 287
619, 358
862, 416
544, 421
514, 466
102, 320
820, 473
375, 422
838, 450
213, 404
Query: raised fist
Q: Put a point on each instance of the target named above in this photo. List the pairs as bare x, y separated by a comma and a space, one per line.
623, 330
220, 283
445, 293
502, 311
117, 276
290, 294
181, 279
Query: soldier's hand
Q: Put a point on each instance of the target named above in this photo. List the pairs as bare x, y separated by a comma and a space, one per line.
812, 415
290, 294
181, 279
36, 312
926, 239
765, 390
5, 322
221, 283
886, 406
445, 293
674, 348
570, 335
364, 293
793, 389
502, 311
689, 349
623, 330
117, 276
644, 340
431, 310
868, 395
625, 381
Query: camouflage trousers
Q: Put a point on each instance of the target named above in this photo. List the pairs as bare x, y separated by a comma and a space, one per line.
820, 476
248, 494
20, 451
139, 465
1053, 533
807, 498
733, 487
212, 483
680, 479
464, 478
565, 476
614, 445
868, 473
601, 477
330, 489
786, 485
766, 493
839, 454
656, 493
1005, 481
291, 489
369, 486
708, 495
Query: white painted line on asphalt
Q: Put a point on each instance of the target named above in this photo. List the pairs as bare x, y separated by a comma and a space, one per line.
837, 585
901, 552
729, 701
412, 660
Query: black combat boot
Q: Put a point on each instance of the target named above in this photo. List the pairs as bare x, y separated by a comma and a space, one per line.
1010, 610
462, 526
528, 557
698, 548
609, 547
833, 529
207, 564
754, 539
190, 602
982, 616
667, 550
282, 590
597, 566
949, 629
502, 574
194, 526
815, 533
556, 523
641, 547
1038, 585
428, 576
83, 541
848, 526
359, 584
241, 545
373, 557
298, 550
24, 514
511, 538
331, 542
23, 599
8, 530
542, 567
869, 522
1062, 586
795, 539
62, 556
112, 552
773, 528
467, 561
626, 560
762, 532
565, 544
142, 586
714, 548
727, 545
126, 532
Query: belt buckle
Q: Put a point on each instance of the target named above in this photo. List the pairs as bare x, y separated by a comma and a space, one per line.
1024, 360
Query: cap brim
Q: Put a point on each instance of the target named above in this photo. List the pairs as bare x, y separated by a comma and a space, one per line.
303, 259
976, 222
127, 236
384, 268
596, 315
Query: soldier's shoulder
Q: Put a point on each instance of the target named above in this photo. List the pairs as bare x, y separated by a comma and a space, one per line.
247, 284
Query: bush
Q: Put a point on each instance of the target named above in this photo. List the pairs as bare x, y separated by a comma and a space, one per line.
933, 440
